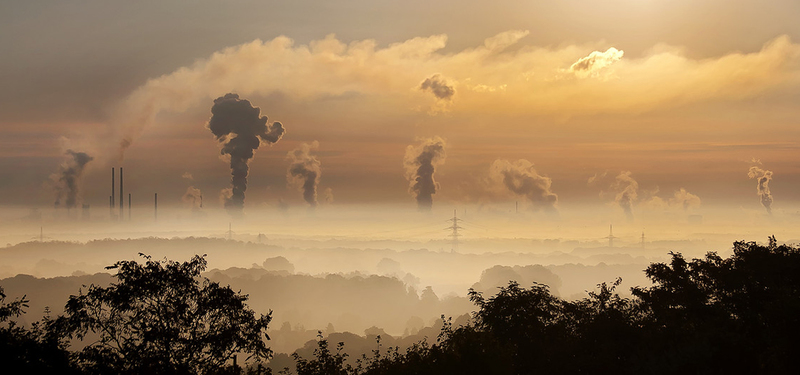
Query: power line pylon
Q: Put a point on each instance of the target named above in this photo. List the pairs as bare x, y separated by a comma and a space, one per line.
454, 231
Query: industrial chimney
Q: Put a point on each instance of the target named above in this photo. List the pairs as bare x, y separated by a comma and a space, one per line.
111, 199
121, 197
129, 206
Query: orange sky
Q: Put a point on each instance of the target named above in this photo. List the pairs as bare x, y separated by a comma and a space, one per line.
683, 95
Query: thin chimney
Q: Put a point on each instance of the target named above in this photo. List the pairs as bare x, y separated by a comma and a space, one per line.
129, 206
121, 197
112, 187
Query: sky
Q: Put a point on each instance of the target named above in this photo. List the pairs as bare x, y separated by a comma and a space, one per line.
666, 105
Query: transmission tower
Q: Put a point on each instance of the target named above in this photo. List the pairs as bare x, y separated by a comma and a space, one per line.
454, 231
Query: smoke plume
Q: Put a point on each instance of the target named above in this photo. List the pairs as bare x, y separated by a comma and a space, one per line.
438, 86
763, 177
684, 199
304, 172
627, 192
240, 128
420, 163
67, 179
193, 197
522, 179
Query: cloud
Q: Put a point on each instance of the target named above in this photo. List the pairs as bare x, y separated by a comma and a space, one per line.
596, 61
420, 163
187, 176
521, 178
532, 77
438, 86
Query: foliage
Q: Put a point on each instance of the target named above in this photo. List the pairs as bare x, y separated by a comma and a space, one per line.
160, 317
704, 316
32, 350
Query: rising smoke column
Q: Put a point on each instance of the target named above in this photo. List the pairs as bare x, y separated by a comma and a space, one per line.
627, 192
763, 177
304, 171
684, 199
193, 197
522, 179
240, 128
420, 163
67, 179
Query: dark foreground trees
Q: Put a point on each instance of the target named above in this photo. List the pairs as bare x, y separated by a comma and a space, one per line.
161, 317
34, 350
705, 316
739, 315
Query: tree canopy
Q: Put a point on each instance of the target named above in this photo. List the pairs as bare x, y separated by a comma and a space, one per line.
705, 316
161, 317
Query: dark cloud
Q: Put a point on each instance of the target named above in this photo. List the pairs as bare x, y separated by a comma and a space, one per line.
67, 179
420, 163
763, 177
304, 171
522, 179
438, 86
241, 130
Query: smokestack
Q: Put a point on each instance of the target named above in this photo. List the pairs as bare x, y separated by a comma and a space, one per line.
155, 207
121, 197
129, 206
112, 188
111, 206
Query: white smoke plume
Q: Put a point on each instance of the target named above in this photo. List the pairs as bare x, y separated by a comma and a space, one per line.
762, 189
521, 178
66, 181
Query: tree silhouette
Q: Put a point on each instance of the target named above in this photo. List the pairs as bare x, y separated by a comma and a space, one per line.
31, 350
705, 316
161, 317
